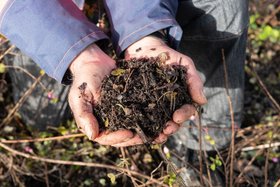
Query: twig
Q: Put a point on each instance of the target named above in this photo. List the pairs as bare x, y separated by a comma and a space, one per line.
254, 138
129, 173
172, 166
56, 138
152, 173
266, 168
132, 160
207, 169
20, 101
270, 16
264, 88
263, 146
250, 163
7, 51
277, 183
232, 120
77, 163
200, 145
46, 175
27, 73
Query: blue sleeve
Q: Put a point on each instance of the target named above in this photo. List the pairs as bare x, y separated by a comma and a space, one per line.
132, 20
51, 32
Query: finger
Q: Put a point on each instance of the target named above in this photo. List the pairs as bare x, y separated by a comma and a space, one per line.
82, 111
170, 128
115, 137
183, 113
160, 139
136, 140
195, 84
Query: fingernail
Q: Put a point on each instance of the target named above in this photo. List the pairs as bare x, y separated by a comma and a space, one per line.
88, 132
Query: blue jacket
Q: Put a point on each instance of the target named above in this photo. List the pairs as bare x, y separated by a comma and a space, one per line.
54, 32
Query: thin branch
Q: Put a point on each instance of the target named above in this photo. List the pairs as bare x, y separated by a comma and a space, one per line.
200, 146
269, 17
129, 173
275, 104
46, 175
7, 51
249, 164
231, 118
27, 73
263, 146
277, 183
55, 138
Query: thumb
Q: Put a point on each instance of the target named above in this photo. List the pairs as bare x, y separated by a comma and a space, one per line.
194, 83
81, 106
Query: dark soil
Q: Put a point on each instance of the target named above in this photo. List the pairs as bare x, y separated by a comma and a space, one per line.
141, 95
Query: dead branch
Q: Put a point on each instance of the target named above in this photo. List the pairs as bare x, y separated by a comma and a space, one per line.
55, 138
231, 155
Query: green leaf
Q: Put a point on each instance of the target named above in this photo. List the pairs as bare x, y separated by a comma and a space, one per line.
118, 72
2, 68
42, 72
102, 181
267, 30
270, 134
218, 162
207, 137
112, 178
54, 100
213, 167
88, 182
275, 33
212, 159
212, 142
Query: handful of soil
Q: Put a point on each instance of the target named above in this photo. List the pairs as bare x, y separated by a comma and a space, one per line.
141, 95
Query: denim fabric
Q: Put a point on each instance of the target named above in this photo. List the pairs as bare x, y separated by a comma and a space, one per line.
208, 27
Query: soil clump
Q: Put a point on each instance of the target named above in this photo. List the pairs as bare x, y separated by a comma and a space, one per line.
141, 95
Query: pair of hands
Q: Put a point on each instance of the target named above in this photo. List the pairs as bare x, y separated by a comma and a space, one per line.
92, 65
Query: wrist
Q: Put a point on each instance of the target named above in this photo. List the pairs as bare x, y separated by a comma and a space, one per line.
88, 55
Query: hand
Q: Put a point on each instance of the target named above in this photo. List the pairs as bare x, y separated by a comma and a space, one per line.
151, 46
88, 70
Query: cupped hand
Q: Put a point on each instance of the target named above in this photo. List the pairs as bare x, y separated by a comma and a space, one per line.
88, 70
152, 46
